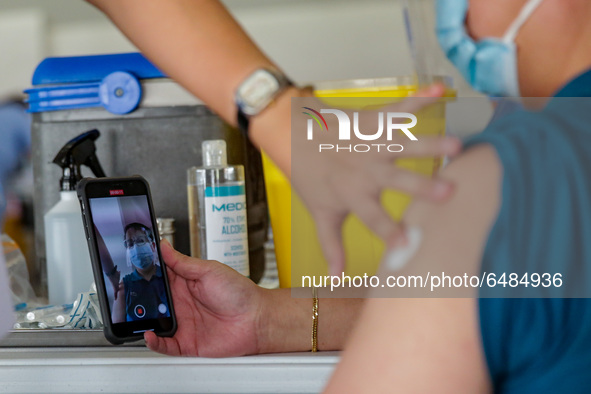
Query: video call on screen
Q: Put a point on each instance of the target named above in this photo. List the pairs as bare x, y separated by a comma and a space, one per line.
125, 226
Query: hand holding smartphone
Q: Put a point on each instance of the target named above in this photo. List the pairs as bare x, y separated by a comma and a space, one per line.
128, 269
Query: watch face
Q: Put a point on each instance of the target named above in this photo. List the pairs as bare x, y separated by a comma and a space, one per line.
257, 91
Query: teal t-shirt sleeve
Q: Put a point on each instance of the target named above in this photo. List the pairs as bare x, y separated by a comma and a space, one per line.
545, 190
543, 226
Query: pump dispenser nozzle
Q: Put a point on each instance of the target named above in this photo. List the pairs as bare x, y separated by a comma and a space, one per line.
214, 153
80, 150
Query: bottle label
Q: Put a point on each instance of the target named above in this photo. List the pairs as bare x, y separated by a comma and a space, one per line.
226, 228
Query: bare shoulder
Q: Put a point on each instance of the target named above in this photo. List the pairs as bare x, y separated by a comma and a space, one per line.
454, 233
477, 176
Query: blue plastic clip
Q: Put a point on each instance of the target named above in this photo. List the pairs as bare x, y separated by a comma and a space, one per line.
119, 93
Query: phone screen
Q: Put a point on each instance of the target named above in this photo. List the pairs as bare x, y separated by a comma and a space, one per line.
132, 272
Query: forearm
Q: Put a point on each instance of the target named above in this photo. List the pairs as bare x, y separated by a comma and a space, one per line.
197, 43
105, 256
286, 324
200, 45
118, 314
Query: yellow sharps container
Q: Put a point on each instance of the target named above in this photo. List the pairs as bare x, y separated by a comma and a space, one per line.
297, 240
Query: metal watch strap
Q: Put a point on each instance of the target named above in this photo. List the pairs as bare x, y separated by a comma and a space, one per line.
243, 120
243, 123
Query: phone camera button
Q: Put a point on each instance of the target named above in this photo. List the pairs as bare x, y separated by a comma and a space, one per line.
162, 308
139, 311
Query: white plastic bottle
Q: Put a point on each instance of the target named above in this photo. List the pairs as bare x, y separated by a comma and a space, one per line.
69, 271
217, 209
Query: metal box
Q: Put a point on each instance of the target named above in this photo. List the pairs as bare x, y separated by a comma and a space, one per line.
159, 139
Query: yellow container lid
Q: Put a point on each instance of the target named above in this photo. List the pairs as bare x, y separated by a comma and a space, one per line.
395, 87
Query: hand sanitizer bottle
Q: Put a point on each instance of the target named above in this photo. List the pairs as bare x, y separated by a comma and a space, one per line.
217, 209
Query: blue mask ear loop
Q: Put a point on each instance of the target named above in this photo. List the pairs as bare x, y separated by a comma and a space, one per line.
525, 13
511, 34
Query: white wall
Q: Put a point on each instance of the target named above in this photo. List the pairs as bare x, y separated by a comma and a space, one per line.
312, 40
22, 45
331, 40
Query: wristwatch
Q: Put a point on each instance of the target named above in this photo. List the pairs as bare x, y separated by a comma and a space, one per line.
255, 94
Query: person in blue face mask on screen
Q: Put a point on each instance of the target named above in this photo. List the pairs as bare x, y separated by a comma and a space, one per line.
141, 294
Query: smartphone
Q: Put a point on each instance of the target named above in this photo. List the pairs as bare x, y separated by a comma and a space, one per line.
129, 272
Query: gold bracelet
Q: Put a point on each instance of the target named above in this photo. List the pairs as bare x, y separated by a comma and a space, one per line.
315, 320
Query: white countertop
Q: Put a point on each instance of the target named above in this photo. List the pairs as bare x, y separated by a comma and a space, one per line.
128, 370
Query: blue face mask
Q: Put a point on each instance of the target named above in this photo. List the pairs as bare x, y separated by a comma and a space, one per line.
141, 256
490, 65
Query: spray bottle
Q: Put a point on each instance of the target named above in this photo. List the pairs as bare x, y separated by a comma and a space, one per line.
69, 270
217, 209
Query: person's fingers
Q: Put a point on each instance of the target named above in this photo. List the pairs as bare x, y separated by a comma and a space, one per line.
375, 217
435, 90
170, 255
398, 239
329, 231
412, 104
162, 345
423, 98
151, 341
414, 184
362, 196
171, 276
358, 192
420, 99
185, 266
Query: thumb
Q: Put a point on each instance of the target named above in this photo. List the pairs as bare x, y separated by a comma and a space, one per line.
180, 264
330, 236
162, 345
